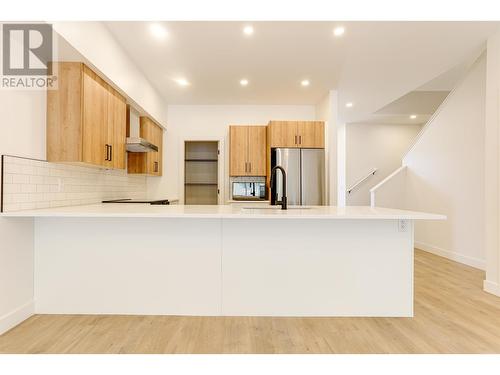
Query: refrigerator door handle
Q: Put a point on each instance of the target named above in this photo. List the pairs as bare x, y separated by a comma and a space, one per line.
301, 176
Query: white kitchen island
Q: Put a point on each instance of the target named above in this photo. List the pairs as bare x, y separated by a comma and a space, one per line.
223, 260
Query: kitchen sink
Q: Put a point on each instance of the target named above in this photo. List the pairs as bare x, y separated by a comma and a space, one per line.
277, 208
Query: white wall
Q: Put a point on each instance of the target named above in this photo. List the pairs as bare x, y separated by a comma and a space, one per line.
96, 43
391, 191
22, 132
492, 167
369, 146
326, 110
206, 122
446, 173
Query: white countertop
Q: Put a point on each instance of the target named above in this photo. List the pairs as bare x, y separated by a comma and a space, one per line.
261, 202
110, 210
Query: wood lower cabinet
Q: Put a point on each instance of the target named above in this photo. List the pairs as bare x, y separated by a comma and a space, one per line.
297, 134
247, 150
148, 163
86, 119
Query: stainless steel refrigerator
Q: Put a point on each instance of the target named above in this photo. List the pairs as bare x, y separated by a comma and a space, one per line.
305, 175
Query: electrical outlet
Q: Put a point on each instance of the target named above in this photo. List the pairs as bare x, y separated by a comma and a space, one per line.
403, 225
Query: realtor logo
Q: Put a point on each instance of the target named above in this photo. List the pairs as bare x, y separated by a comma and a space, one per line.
27, 49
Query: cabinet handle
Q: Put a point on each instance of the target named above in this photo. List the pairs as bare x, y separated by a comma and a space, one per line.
295, 139
300, 139
110, 153
250, 167
155, 166
246, 167
107, 153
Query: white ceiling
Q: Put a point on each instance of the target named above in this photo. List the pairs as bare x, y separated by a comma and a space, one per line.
423, 104
372, 64
415, 102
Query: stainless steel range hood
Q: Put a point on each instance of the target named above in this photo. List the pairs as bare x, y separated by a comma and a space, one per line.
134, 141
136, 144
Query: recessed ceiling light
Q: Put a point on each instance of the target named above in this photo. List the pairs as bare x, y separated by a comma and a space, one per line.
413, 117
305, 82
244, 82
248, 30
338, 31
182, 81
349, 105
158, 31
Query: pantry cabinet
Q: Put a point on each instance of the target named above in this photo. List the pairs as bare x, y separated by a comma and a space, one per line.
148, 163
296, 134
247, 150
86, 119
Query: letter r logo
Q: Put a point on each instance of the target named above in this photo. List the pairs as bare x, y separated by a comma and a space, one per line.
27, 49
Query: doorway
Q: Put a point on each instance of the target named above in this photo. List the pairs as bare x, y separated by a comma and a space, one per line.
201, 161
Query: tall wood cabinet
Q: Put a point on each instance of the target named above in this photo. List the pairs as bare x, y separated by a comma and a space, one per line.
247, 150
86, 119
297, 134
148, 163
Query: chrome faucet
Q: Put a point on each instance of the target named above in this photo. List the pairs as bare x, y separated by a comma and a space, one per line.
283, 201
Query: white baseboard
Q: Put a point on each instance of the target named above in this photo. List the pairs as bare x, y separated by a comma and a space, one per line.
491, 287
470, 261
13, 318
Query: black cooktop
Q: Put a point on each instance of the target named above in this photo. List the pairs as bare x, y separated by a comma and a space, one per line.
144, 201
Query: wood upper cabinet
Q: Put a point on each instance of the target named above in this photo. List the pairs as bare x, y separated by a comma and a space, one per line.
297, 134
148, 163
247, 150
283, 133
117, 126
257, 137
311, 134
238, 150
86, 119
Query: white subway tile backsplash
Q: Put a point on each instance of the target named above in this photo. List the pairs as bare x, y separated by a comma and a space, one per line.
30, 184
12, 188
27, 206
42, 188
20, 179
11, 207
28, 188
36, 179
21, 198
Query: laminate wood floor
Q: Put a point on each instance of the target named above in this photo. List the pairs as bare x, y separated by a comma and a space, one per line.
452, 315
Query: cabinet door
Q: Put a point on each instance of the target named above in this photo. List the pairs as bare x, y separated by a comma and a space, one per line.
150, 163
117, 124
238, 150
158, 139
95, 117
64, 114
257, 150
283, 134
311, 134
154, 134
